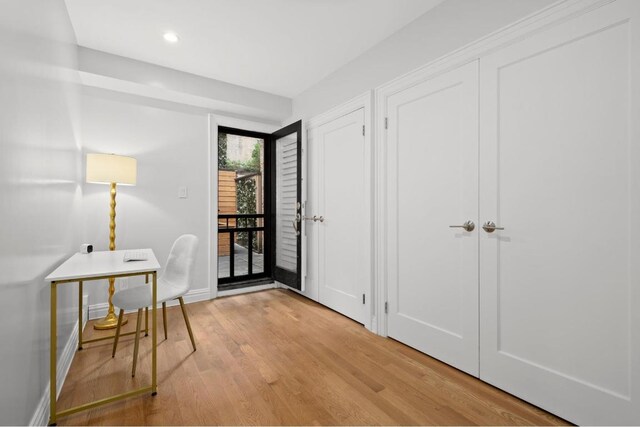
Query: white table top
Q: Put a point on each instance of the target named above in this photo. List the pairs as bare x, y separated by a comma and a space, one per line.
100, 264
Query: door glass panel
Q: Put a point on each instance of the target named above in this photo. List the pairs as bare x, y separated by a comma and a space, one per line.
286, 202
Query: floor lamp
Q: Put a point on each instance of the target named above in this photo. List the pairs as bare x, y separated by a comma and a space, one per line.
111, 169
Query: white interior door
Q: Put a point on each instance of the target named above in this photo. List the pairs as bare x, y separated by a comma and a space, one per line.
432, 163
343, 227
560, 164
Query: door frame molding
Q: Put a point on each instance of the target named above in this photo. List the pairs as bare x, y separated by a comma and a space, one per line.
363, 101
552, 15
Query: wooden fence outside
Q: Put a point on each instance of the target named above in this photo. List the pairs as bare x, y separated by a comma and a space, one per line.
227, 204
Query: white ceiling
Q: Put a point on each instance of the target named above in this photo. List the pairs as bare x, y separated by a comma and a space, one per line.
278, 46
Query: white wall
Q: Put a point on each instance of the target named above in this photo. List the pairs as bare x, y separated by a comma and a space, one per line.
40, 193
447, 27
172, 151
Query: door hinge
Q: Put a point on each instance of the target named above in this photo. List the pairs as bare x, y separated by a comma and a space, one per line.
386, 307
362, 130
363, 298
386, 123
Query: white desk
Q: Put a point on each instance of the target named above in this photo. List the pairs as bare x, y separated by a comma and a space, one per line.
96, 266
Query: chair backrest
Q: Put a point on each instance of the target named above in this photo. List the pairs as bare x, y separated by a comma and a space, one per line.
178, 272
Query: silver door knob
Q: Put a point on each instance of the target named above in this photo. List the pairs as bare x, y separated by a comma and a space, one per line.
311, 218
468, 226
490, 227
321, 218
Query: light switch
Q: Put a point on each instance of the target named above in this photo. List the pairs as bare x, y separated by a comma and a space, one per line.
182, 192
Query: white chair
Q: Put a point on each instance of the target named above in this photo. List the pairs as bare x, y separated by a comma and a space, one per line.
174, 282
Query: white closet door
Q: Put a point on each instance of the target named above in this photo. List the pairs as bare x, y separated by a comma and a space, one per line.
432, 162
560, 171
344, 264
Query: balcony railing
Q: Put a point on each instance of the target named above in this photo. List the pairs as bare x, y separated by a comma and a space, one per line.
235, 225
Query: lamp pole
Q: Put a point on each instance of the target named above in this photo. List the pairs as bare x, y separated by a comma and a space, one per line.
111, 169
110, 321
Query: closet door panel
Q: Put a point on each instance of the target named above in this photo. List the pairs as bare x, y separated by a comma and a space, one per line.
432, 143
560, 172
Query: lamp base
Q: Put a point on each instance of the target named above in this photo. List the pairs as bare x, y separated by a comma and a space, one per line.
110, 321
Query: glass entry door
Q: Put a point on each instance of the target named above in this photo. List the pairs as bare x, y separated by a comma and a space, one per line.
286, 205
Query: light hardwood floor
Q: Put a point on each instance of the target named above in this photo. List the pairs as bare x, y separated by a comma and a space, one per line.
274, 357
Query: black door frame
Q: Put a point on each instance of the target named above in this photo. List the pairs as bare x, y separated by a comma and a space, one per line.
238, 281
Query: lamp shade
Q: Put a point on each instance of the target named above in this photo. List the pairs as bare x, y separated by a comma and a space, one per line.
109, 168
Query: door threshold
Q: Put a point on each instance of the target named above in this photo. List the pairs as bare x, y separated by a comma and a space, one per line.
245, 287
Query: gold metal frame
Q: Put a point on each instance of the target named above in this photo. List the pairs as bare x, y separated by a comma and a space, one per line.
124, 321
153, 388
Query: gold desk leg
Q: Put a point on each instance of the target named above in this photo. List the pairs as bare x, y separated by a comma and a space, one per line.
146, 310
52, 355
154, 334
80, 315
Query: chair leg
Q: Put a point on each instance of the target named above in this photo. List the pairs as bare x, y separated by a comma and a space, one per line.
137, 343
115, 341
186, 320
164, 318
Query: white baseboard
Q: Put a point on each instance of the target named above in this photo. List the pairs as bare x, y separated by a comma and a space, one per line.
194, 295
97, 311
41, 415
247, 290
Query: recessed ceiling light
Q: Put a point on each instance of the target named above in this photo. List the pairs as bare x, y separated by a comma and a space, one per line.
171, 37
